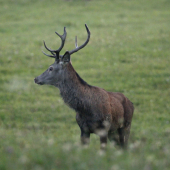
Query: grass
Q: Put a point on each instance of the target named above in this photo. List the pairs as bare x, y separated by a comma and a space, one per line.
129, 52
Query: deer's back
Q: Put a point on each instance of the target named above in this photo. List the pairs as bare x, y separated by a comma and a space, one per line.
103, 106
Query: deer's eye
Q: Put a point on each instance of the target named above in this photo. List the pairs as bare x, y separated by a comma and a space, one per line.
51, 69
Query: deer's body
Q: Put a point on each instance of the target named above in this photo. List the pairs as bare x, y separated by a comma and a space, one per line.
106, 114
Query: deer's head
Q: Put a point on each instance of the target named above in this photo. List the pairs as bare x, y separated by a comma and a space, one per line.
54, 74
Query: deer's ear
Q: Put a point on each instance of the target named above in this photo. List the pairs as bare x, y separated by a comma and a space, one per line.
66, 57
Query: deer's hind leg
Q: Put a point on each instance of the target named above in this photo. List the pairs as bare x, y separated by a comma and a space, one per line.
124, 136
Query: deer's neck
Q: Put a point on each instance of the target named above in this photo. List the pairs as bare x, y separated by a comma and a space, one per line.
73, 89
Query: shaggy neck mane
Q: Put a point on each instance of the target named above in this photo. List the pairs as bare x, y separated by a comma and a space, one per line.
72, 89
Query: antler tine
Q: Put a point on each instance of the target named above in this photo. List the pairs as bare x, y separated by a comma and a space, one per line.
63, 38
48, 48
83, 45
76, 42
53, 56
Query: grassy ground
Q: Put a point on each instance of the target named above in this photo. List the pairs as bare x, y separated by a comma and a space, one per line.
129, 52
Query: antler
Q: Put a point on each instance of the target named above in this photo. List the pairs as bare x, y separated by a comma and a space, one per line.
83, 45
55, 53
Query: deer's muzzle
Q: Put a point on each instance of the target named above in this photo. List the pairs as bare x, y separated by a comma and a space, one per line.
37, 81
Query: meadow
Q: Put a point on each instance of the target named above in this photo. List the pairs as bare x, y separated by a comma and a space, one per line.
129, 52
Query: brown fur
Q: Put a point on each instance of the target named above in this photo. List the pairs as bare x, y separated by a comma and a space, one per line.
107, 114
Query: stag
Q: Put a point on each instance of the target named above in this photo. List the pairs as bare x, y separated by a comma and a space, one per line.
107, 114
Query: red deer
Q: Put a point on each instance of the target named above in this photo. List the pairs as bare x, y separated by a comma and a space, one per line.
107, 114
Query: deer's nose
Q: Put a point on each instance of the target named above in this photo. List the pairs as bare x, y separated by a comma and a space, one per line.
36, 80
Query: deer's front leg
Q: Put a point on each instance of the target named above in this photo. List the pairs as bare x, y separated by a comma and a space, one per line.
103, 141
85, 137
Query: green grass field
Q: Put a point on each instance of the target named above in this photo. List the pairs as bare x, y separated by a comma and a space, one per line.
129, 52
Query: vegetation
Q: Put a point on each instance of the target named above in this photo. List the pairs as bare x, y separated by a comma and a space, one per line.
129, 52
